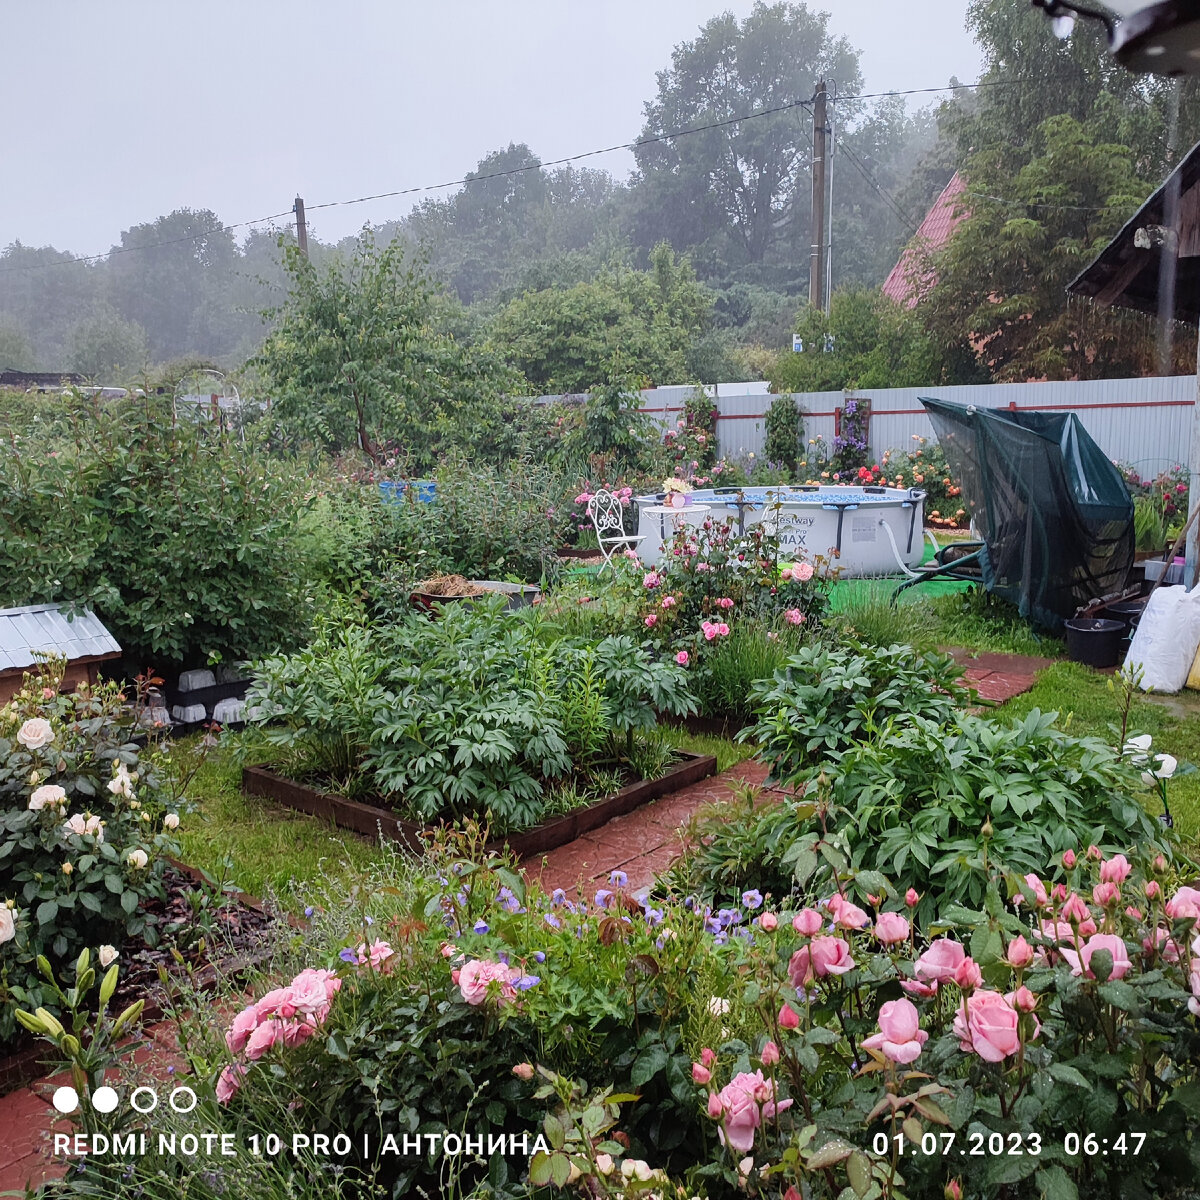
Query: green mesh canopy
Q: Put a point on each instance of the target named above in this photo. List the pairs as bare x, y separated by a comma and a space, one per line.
1054, 514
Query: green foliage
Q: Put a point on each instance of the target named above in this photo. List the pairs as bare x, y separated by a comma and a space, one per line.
614, 434
77, 800
637, 323
180, 538
107, 347
785, 433
753, 651
355, 358
472, 714
866, 341
825, 700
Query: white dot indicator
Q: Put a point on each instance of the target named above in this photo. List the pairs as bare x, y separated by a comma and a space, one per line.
104, 1099
66, 1099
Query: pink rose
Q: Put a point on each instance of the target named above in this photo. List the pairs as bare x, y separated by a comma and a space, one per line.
651, 620
710, 630
708, 1057
800, 970
793, 616
831, 956
477, 976
807, 922
1135, 913
803, 572
1093, 852
244, 1024
770, 1054
940, 961
263, 1039
723, 629
1194, 1002
313, 990
277, 1003
700, 1073
295, 1033
1153, 889
682, 658
1075, 910
900, 1037
769, 922
651, 579
967, 974
891, 928
229, 1081
988, 1027
1105, 894
1100, 941
1037, 887
1115, 870
850, 916
911, 898
788, 1018
715, 1107
745, 1101
1023, 999
1020, 953
1068, 859
724, 602
1185, 904
523, 1070
668, 602
786, 574
914, 987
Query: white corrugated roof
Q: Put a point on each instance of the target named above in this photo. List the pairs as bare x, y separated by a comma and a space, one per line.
45, 628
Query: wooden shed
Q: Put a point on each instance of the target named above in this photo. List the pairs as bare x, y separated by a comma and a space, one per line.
39, 629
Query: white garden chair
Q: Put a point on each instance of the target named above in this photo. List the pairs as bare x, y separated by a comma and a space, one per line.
605, 509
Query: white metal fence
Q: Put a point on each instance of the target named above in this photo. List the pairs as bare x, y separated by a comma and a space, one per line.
1145, 423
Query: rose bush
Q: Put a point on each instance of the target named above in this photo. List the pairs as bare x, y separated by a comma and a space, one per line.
85, 825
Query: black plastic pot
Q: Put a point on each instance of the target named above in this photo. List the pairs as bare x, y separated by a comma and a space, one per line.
1128, 612
1095, 641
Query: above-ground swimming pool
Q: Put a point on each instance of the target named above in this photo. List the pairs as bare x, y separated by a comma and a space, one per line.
872, 529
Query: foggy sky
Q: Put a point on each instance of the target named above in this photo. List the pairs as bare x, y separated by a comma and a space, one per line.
118, 111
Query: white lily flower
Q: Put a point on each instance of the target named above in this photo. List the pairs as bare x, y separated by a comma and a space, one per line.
1140, 742
1167, 765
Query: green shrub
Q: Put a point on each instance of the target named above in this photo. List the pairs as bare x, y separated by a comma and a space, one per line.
181, 539
785, 433
82, 835
824, 700
753, 651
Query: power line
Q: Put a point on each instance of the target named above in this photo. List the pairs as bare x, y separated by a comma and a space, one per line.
950, 87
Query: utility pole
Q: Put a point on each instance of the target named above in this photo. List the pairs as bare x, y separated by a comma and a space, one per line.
816, 265
301, 226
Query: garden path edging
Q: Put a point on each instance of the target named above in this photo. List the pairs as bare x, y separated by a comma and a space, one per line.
371, 821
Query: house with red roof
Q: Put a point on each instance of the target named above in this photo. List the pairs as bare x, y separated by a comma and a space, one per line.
910, 281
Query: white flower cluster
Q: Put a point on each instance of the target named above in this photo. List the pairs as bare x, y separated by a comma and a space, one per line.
1162, 766
49, 795
121, 784
80, 825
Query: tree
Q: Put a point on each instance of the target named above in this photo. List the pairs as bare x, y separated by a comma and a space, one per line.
107, 347
15, 351
744, 184
355, 359
1001, 280
867, 341
568, 340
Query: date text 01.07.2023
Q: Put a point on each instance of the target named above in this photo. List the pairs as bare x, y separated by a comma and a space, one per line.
977, 1143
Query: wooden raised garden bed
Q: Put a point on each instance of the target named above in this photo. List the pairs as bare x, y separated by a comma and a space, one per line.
370, 820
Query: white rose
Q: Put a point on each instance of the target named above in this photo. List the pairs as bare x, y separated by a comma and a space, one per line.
49, 793
8, 924
137, 859
68, 869
171, 821
718, 1007
107, 956
604, 1163
35, 733
75, 824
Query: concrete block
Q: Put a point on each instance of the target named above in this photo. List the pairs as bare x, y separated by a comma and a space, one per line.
229, 710
193, 681
189, 713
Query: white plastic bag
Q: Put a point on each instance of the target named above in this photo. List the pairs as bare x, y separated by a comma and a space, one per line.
1166, 639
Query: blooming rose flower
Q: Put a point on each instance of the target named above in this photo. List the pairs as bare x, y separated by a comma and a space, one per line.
523, 1070
75, 824
800, 970
8, 924
296, 1033
263, 1039
651, 579
107, 956
137, 859
313, 991
831, 956
769, 922
793, 616
1184, 904
900, 1037
171, 821
376, 954
668, 602
745, 1101
279, 1002
651, 620
807, 922
989, 1026
1020, 953
229, 1081
804, 572
1037, 887
967, 974
786, 575
891, 928
1105, 894
682, 658
479, 974
244, 1024
847, 915
49, 794
35, 733
1100, 941
1115, 870
722, 629
940, 961
710, 630
724, 602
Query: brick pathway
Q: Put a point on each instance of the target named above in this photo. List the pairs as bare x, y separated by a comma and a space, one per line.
642, 844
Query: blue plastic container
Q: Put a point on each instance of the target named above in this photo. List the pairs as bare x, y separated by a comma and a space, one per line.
424, 490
